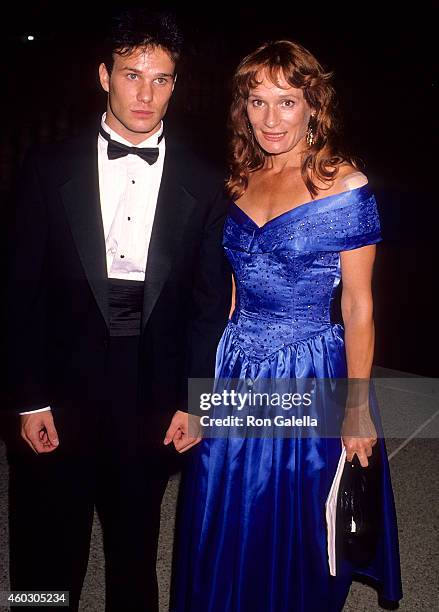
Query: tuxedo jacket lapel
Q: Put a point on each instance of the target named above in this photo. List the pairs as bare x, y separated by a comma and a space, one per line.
174, 206
80, 195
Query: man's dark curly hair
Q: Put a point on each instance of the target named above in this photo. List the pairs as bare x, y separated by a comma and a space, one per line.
140, 27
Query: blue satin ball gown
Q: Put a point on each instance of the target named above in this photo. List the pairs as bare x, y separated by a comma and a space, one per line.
251, 528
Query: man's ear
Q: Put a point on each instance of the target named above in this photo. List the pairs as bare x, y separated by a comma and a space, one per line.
175, 80
104, 77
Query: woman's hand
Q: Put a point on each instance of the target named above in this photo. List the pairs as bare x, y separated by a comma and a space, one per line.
358, 434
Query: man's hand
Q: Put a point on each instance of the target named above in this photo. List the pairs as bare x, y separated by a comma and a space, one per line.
38, 430
181, 426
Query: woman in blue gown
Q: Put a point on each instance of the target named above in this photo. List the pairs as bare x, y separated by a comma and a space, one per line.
252, 529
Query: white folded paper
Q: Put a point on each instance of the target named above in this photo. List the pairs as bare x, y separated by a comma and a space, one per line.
331, 511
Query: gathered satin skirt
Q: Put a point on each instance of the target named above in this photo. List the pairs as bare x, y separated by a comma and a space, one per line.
251, 531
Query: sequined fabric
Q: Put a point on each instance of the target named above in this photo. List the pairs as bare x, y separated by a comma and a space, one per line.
301, 250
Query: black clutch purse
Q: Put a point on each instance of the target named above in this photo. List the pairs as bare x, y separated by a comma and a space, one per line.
359, 510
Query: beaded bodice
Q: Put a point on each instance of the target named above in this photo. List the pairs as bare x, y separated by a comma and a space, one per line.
286, 271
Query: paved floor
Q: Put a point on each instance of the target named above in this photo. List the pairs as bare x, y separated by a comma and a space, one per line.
410, 412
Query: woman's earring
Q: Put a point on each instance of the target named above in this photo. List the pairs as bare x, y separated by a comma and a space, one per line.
310, 131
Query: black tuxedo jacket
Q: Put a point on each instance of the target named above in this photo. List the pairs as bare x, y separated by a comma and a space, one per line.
57, 296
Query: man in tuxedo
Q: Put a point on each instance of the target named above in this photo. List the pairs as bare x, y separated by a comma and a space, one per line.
118, 291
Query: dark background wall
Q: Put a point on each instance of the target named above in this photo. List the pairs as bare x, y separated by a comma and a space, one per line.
384, 75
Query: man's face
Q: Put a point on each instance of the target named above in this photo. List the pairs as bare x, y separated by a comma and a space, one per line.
139, 89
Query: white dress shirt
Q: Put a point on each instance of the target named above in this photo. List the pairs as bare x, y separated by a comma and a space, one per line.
128, 188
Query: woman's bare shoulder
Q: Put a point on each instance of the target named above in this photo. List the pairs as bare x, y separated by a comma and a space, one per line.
348, 178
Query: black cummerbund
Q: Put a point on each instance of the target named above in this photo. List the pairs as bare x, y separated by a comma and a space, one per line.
125, 302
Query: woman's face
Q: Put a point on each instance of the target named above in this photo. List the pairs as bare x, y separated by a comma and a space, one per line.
278, 114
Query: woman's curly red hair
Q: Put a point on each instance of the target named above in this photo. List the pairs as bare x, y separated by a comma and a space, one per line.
300, 69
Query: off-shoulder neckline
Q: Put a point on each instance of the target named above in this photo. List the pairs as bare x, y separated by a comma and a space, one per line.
341, 194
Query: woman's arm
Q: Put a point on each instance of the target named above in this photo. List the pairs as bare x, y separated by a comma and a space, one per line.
357, 309
233, 302
359, 434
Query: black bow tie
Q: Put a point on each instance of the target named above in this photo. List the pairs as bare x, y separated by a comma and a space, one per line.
117, 149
